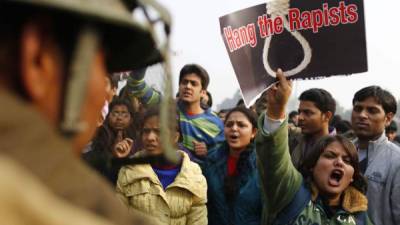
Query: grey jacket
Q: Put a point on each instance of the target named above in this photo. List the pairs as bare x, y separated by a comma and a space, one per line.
383, 174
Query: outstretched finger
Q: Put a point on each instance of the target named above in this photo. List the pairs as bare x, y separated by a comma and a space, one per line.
281, 78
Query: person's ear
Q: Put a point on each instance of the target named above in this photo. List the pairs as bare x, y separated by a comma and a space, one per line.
35, 63
389, 117
327, 116
40, 68
253, 133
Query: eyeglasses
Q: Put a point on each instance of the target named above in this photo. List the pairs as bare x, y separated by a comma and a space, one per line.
121, 114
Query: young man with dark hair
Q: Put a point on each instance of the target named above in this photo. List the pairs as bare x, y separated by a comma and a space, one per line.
373, 110
316, 109
54, 56
201, 129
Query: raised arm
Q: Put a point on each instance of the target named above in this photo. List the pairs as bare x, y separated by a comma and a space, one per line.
137, 87
280, 180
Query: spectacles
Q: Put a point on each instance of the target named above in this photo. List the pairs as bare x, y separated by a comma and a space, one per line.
121, 114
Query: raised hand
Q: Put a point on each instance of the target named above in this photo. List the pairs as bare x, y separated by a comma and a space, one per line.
278, 96
200, 148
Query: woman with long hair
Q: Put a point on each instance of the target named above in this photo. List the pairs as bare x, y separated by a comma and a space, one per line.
230, 169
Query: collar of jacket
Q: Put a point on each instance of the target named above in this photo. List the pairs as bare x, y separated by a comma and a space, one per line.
189, 177
353, 200
221, 153
373, 145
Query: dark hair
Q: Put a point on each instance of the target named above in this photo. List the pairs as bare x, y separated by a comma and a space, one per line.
114, 80
335, 120
240, 102
343, 126
322, 99
381, 96
359, 182
223, 111
293, 114
122, 101
150, 112
155, 111
199, 71
392, 127
210, 100
250, 114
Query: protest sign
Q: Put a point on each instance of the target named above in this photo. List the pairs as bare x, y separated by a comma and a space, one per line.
307, 39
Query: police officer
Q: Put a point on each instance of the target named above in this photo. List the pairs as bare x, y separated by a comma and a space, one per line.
54, 56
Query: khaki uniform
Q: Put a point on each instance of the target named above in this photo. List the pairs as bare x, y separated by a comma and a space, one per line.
26, 138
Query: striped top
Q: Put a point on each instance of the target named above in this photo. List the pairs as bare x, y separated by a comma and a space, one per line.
206, 127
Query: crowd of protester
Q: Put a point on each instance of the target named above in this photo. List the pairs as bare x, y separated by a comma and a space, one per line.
309, 159
239, 166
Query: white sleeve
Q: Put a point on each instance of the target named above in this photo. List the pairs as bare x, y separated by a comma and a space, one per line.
271, 125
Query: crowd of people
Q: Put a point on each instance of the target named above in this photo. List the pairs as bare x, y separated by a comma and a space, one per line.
99, 158
308, 159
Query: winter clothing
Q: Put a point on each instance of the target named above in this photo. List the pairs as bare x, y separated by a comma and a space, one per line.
166, 176
289, 199
383, 174
34, 204
98, 154
244, 206
182, 202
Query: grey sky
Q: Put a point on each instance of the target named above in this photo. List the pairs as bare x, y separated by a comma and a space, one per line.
196, 39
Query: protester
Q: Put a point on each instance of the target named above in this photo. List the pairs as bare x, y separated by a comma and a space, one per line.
113, 140
111, 91
52, 88
231, 173
316, 109
294, 118
331, 190
169, 193
201, 129
391, 132
373, 110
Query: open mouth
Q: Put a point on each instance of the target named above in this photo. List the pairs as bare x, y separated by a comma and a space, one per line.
234, 137
187, 93
335, 177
